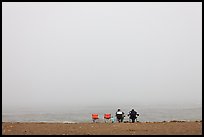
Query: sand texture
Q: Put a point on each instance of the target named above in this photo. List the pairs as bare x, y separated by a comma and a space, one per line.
140, 128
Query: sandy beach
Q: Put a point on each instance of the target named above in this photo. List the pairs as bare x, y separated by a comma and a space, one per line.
139, 128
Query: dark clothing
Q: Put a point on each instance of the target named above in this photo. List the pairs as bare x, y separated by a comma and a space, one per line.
133, 115
120, 116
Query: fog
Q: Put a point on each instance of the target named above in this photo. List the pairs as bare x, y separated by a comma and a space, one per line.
97, 54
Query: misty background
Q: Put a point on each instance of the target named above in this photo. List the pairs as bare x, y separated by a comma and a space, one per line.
61, 56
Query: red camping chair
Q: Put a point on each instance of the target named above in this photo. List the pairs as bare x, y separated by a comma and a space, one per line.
107, 116
95, 117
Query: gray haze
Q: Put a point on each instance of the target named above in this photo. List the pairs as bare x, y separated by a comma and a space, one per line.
89, 54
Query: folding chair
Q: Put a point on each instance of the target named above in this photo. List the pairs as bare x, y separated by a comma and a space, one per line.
95, 117
107, 117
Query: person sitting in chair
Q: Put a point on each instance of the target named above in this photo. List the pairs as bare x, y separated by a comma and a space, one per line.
133, 115
120, 115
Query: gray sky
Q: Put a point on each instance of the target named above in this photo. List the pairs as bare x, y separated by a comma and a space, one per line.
101, 53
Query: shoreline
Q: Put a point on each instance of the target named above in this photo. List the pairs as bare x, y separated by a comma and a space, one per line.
70, 122
138, 128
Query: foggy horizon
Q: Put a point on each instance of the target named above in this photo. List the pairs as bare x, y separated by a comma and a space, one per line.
101, 54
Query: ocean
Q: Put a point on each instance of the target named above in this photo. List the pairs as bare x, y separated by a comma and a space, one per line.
83, 114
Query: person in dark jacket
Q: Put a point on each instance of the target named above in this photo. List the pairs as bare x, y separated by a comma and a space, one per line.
133, 115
